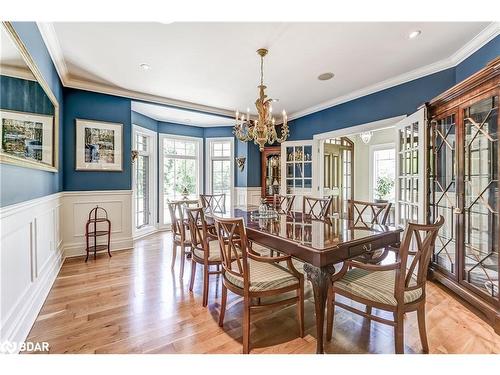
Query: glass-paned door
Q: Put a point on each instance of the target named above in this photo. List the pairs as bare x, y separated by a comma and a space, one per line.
220, 167
144, 180
180, 163
443, 188
481, 205
410, 172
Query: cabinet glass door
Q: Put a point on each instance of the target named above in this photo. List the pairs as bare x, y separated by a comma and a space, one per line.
481, 205
442, 189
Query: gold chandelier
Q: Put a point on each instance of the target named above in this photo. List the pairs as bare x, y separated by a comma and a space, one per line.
262, 130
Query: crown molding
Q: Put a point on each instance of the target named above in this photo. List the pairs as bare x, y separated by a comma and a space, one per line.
486, 35
50, 38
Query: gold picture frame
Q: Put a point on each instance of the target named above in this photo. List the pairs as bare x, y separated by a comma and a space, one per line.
22, 162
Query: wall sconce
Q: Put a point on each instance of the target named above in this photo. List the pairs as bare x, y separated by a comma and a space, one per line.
135, 154
240, 161
366, 137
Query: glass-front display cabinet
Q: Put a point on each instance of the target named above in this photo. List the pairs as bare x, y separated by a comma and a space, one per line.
271, 173
464, 189
297, 170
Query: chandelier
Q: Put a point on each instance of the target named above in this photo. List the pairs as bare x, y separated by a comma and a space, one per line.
263, 129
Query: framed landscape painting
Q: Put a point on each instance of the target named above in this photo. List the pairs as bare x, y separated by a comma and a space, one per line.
27, 136
98, 146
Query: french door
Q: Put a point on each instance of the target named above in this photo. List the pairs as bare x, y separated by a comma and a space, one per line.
410, 194
181, 170
144, 180
220, 167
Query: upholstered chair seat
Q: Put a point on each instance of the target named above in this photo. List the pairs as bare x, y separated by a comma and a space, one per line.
376, 286
264, 276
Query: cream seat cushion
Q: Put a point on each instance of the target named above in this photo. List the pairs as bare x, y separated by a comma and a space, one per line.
377, 286
213, 254
263, 276
187, 236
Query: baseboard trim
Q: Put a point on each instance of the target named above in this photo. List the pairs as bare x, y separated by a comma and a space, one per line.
78, 249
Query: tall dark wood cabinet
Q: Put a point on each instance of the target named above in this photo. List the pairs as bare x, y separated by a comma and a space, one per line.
271, 172
463, 186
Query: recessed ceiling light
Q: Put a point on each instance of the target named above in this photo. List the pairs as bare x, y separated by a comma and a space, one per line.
144, 66
325, 76
414, 34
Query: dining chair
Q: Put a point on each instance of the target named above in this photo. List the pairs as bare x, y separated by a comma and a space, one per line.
205, 249
180, 235
283, 200
215, 203
398, 288
255, 277
363, 214
316, 208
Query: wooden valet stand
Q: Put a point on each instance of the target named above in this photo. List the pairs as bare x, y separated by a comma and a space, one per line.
93, 219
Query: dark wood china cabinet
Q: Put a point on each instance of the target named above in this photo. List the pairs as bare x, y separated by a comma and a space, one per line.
271, 172
463, 187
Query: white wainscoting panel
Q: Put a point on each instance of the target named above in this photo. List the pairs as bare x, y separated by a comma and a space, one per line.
76, 207
30, 258
247, 196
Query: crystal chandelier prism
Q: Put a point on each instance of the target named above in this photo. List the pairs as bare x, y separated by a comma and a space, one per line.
263, 129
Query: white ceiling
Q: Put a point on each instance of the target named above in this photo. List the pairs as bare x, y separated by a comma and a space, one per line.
215, 64
11, 61
180, 116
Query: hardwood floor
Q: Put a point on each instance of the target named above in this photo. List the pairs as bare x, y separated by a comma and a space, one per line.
134, 303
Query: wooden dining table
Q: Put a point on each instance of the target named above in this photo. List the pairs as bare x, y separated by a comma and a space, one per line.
319, 244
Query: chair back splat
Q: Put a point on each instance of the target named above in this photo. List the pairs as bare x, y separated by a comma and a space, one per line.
233, 244
379, 212
214, 203
283, 204
317, 208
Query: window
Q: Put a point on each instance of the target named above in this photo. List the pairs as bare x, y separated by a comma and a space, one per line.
383, 172
144, 177
181, 169
220, 167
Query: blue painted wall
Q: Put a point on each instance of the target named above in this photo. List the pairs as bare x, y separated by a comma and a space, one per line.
394, 101
144, 121
88, 105
478, 60
22, 184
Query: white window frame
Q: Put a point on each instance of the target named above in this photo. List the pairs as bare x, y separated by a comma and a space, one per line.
371, 158
208, 165
153, 201
199, 165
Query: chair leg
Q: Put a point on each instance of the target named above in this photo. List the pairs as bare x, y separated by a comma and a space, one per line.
399, 332
193, 273
183, 259
246, 327
422, 329
223, 305
174, 254
330, 312
205, 285
300, 308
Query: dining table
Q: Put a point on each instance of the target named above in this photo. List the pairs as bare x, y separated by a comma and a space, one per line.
319, 243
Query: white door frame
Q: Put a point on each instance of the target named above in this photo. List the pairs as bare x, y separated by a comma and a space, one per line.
199, 165
153, 201
419, 117
319, 140
208, 165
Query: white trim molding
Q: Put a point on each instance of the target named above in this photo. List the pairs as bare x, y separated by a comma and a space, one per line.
50, 38
486, 35
31, 257
247, 196
152, 152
